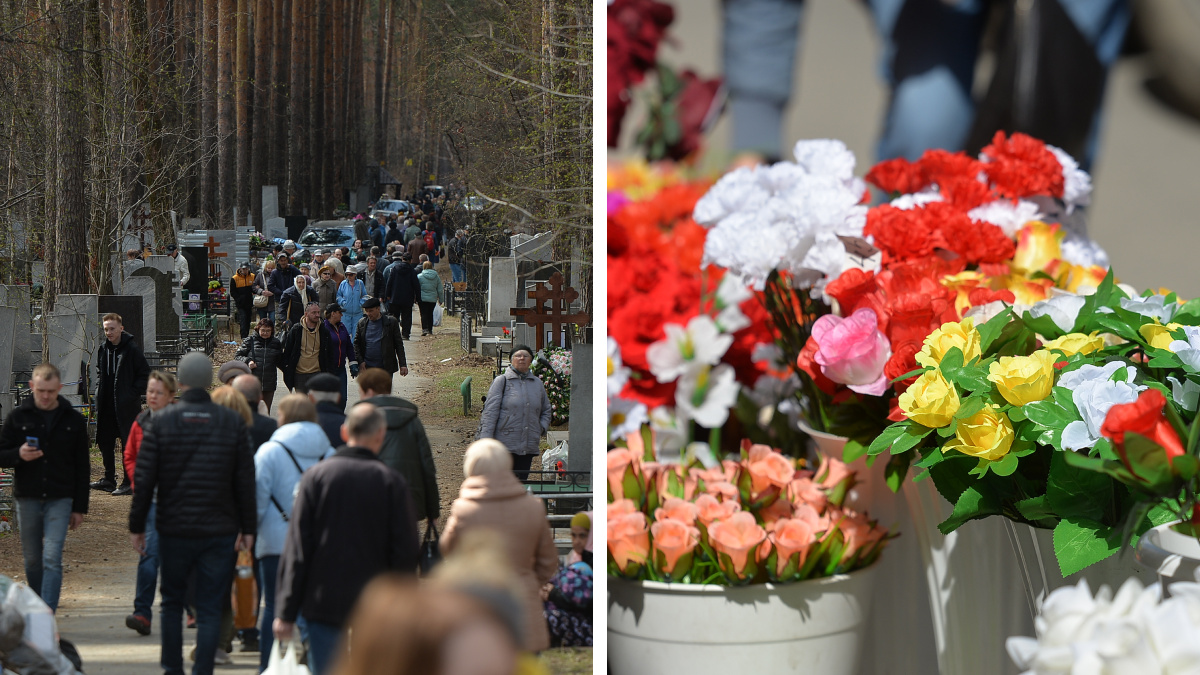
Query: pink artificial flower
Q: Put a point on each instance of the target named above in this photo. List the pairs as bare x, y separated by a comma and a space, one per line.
860, 535
674, 540
833, 471
723, 490
738, 537
621, 507
852, 351
677, 509
791, 536
663, 476
818, 522
805, 491
709, 510
780, 509
620, 460
767, 468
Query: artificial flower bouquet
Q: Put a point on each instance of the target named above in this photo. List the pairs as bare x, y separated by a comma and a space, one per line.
553, 367
758, 518
1135, 632
1077, 413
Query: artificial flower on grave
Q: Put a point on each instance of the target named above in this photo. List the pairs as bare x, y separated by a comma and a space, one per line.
553, 367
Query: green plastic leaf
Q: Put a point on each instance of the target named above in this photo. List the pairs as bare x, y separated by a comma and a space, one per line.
1044, 326
932, 458
969, 407
951, 362
1005, 466
993, 327
1036, 508
1079, 543
896, 470
971, 504
1047, 414
885, 439
909, 439
1077, 492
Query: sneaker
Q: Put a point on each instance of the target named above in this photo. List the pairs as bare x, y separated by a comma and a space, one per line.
191, 621
222, 657
249, 644
139, 623
123, 491
105, 484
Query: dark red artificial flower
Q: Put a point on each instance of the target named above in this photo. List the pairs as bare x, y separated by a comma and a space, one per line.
850, 288
898, 176
1022, 166
904, 360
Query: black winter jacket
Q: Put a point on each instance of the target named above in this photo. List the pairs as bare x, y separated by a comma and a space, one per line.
291, 305
267, 356
326, 361
64, 468
353, 518
406, 449
198, 455
331, 418
393, 344
124, 373
403, 287
282, 279
241, 290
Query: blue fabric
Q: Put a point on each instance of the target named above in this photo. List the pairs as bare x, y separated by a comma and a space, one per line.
323, 640
268, 570
43, 524
458, 273
276, 476
212, 559
147, 571
760, 40
350, 320
351, 297
341, 345
373, 358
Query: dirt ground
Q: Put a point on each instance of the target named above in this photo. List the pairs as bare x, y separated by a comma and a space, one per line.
99, 565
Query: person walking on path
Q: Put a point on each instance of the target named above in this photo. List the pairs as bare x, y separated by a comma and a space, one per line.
492, 499
455, 253
294, 300
378, 342
324, 391
406, 447
372, 278
160, 392
325, 287
46, 441
517, 410
122, 381
403, 288
431, 295
352, 520
197, 456
242, 291
350, 296
263, 352
262, 283
341, 348
262, 426
306, 350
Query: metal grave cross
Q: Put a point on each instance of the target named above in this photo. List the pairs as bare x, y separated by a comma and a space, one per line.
214, 269
551, 304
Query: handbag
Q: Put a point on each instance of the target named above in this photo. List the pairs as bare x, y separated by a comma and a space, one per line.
285, 663
261, 301
430, 555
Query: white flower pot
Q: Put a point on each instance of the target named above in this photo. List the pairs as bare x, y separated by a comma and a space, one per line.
1171, 555
812, 626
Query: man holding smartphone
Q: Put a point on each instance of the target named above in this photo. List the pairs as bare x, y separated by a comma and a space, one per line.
46, 440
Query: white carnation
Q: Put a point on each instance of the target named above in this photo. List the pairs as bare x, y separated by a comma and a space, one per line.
1077, 184
828, 157
1079, 250
1009, 216
732, 193
916, 199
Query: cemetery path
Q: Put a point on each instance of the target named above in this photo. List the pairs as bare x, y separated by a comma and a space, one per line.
99, 565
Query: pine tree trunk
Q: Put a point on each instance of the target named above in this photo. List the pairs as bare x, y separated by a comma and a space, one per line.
242, 73
264, 14
71, 274
317, 206
208, 111
280, 86
298, 110
226, 141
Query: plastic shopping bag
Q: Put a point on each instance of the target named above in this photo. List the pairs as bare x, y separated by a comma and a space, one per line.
552, 457
36, 648
285, 664
437, 314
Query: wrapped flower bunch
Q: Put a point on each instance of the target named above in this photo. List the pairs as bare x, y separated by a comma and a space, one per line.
1135, 632
556, 376
759, 517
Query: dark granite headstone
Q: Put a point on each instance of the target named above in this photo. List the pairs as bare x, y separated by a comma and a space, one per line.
130, 309
197, 260
579, 457
464, 332
165, 314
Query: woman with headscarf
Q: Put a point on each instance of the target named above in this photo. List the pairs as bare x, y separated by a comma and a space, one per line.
491, 498
568, 596
517, 410
294, 300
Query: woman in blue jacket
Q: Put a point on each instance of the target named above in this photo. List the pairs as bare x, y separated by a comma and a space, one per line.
351, 294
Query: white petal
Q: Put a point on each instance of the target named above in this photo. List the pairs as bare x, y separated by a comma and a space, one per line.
1076, 437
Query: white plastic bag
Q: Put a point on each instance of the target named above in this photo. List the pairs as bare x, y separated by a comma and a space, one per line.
285, 664
41, 631
552, 455
437, 314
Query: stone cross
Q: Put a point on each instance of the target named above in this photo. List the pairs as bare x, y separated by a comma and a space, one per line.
551, 307
213, 266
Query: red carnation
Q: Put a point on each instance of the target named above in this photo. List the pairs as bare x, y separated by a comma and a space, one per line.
901, 234
982, 296
897, 176
903, 361
850, 288
1022, 166
1144, 417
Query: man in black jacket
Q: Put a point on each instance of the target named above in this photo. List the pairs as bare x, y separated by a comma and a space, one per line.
403, 288
46, 440
197, 455
377, 340
124, 374
325, 391
352, 520
260, 432
307, 350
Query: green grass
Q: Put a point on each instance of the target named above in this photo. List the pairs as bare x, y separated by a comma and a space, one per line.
568, 660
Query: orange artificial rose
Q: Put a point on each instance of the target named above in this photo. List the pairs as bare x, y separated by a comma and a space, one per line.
859, 535
675, 473
623, 475
621, 507
777, 510
768, 468
674, 544
836, 477
709, 510
678, 510
629, 542
805, 491
737, 537
791, 537
723, 491
819, 523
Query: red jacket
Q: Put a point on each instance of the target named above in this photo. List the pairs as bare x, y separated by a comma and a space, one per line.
131, 448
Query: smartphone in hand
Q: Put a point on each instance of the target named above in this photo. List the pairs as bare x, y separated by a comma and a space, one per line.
32, 440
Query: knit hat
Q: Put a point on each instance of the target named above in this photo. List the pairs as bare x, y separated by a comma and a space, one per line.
230, 370
581, 519
195, 370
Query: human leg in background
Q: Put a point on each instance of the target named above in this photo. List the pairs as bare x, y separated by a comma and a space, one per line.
268, 567
521, 464
426, 317
176, 560
107, 433
323, 641
215, 562
43, 524
760, 39
147, 580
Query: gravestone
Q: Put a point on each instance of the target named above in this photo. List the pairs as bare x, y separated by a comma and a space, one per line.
17, 297
74, 336
464, 333
524, 334
270, 203
168, 307
165, 264
144, 290
130, 309
8, 346
224, 248
197, 261
275, 228
502, 289
579, 455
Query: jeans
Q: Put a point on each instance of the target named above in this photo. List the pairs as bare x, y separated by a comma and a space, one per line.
323, 641
426, 316
212, 559
458, 273
43, 524
147, 571
267, 568
264, 314
351, 320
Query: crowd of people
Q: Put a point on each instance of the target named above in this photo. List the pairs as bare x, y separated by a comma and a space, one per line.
323, 499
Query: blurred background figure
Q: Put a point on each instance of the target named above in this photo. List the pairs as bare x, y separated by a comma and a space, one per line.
567, 598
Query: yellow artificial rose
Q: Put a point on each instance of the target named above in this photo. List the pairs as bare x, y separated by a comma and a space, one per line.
987, 434
1026, 291
1038, 244
1159, 336
1076, 278
960, 334
962, 284
931, 400
1024, 379
1077, 343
